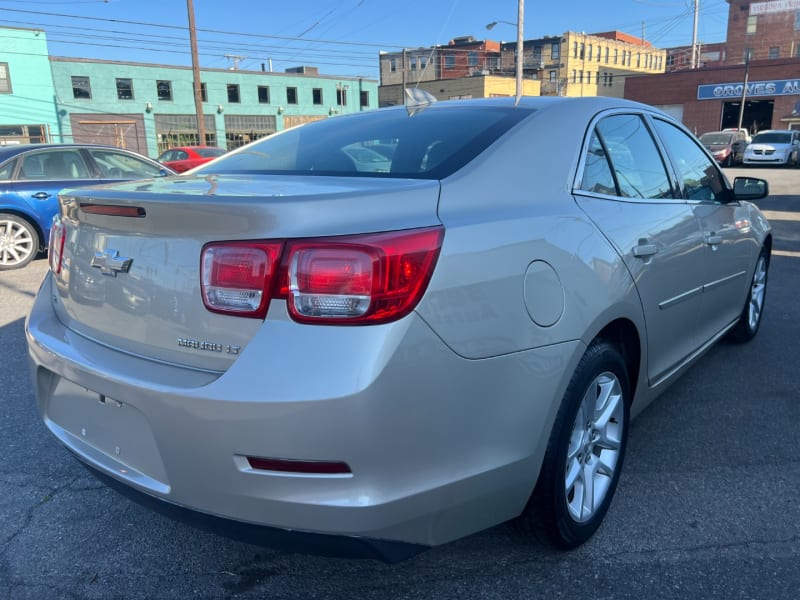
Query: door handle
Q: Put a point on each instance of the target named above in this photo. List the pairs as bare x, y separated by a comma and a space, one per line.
644, 250
41, 195
713, 240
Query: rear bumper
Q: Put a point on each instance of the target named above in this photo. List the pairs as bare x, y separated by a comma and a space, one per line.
439, 446
302, 542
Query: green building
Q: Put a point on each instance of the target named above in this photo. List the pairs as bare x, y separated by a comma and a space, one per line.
150, 108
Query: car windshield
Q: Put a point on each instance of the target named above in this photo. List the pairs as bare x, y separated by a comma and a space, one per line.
773, 137
210, 152
429, 144
715, 139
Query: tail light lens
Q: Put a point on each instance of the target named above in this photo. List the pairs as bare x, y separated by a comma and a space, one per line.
55, 246
360, 279
237, 276
354, 280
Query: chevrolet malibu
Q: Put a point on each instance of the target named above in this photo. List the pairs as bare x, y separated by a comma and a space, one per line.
301, 352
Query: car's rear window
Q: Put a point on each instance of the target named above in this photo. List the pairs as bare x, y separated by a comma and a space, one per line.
716, 138
428, 144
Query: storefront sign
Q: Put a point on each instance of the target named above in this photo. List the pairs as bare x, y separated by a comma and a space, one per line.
763, 8
779, 87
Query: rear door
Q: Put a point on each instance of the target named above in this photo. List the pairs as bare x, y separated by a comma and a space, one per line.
727, 240
626, 189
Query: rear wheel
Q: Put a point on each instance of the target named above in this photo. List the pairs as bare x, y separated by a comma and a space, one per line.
19, 242
585, 452
753, 310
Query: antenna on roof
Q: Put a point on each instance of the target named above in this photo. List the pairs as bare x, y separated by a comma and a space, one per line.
417, 99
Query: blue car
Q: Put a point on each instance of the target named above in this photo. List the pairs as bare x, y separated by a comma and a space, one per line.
31, 177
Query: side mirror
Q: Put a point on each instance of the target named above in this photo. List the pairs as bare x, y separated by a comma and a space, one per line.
750, 188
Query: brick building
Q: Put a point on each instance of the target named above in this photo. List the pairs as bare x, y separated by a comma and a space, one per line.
709, 97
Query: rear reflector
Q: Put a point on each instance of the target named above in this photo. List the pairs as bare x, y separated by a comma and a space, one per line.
315, 467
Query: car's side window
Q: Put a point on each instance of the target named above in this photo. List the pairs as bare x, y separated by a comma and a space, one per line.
54, 165
634, 159
180, 155
700, 177
7, 169
121, 165
597, 176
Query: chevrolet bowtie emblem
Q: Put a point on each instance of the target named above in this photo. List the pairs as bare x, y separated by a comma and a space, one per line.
110, 262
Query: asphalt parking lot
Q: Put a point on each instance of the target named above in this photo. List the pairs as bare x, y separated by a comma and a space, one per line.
708, 505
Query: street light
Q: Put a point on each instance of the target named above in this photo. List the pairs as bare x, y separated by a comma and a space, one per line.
519, 52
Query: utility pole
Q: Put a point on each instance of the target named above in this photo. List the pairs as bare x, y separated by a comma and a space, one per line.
198, 91
695, 57
744, 87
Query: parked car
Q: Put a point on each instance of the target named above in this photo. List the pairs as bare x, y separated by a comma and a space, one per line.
774, 147
31, 175
740, 130
378, 362
727, 147
183, 158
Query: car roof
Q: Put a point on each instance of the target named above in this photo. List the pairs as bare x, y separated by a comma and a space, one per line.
13, 150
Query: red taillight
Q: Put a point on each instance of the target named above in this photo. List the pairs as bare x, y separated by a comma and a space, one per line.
372, 278
55, 246
237, 277
353, 280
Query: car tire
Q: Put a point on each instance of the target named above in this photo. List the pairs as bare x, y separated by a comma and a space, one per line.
585, 452
753, 310
19, 242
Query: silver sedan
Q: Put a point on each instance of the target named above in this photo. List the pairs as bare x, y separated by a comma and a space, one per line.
297, 348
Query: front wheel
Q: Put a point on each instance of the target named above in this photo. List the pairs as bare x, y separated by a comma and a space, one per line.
753, 310
585, 452
19, 242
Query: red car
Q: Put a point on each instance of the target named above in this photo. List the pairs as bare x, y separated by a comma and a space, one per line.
183, 158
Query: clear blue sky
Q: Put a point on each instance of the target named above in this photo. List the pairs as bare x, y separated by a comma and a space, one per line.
341, 37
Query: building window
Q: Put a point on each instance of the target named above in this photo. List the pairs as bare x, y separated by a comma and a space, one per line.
553, 76
616, 55
599, 54
472, 57
575, 50
610, 79
233, 93
748, 55
164, 89
607, 52
316, 95
450, 61
774, 52
364, 99
591, 49
413, 63
341, 96
5, 80
574, 76
555, 51
203, 91
752, 24
263, 94
291, 95
81, 88
423, 62
393, 65
797, 20
125, 89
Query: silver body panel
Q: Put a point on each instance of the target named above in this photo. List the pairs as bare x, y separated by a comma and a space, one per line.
444, 415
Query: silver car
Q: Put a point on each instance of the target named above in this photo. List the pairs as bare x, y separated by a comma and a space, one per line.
298, 351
